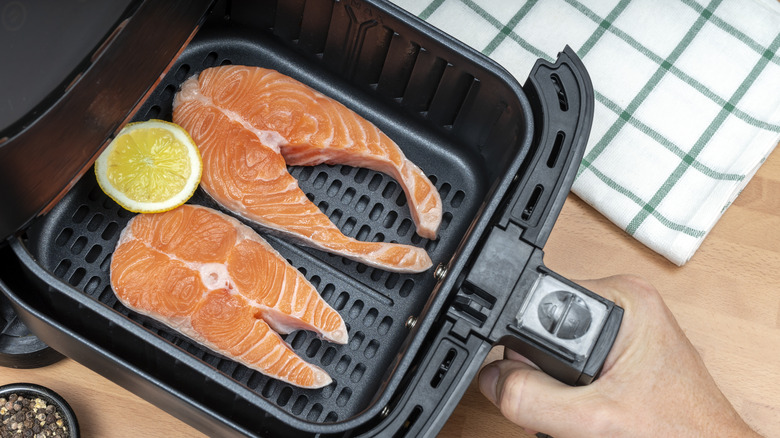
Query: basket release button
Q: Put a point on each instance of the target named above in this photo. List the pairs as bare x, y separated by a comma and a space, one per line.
564, 314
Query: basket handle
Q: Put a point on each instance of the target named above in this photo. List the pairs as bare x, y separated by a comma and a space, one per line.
506, 295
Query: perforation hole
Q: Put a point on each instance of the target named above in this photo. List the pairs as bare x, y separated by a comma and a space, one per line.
92, 285
77, 276
362, 204
390, 219
341, 301
64, 236
344, 396
79, 245
305, 173
182, 72
444, 191
167, 94
110, 231
284, 396
370, 317
323, 206
563, 102
327, 291
389, 189
335, 215
334, 188
314, 412
320, 180
404, 228
314, 347
355, 310
392, 280
556, 149
401, 199
210, 60
357, 373
457, 199
371, 349
349, 225
298, 340
363, 233
446, 219
343, 364
93, 253
406, 288
375, 182
385, 325
346, 198
328, 356
376, 212
154, 112
361, 175
80, 214
269, 388
300, 404
106, 294
105, 265
95, 194
121, 212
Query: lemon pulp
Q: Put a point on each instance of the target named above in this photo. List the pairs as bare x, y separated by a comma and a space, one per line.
150, 167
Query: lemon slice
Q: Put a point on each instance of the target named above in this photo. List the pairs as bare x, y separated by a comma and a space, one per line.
150, 167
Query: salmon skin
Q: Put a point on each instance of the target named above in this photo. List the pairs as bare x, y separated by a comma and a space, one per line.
251, 122
218, 282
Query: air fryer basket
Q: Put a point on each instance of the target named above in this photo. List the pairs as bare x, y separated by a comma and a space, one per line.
461, 118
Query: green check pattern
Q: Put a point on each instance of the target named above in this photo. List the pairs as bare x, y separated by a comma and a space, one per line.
687, 98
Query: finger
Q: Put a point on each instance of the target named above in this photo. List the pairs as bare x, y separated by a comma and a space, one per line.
624, 290
534, 400
513, 355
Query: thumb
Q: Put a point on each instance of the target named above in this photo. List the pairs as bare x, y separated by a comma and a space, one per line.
532, 399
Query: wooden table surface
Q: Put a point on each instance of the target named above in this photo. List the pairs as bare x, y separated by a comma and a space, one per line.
727, 299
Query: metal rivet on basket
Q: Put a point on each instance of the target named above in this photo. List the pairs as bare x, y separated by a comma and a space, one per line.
411, 322
440, 272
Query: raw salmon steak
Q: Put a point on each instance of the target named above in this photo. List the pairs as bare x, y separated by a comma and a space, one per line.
215, 280
251, 122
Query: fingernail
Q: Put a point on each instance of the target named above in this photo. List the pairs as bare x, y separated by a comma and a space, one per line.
488, 378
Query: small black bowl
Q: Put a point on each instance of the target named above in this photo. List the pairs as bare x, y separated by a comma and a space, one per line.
32, 392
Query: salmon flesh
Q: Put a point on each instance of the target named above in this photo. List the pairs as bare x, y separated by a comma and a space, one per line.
251, 122
215, 280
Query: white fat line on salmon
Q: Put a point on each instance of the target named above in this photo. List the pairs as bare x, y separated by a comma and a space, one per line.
190, 90
256, 346
215, 276
346, 129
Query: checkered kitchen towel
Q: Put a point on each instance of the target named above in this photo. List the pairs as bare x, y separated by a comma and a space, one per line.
687, 98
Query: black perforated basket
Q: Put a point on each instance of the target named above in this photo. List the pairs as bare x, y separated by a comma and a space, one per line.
481, 138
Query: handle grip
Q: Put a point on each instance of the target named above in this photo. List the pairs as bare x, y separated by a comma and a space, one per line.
564, 328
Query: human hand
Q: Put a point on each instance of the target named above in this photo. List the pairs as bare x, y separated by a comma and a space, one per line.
653, 383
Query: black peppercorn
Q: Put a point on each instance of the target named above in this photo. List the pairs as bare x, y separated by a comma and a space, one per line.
30, 417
